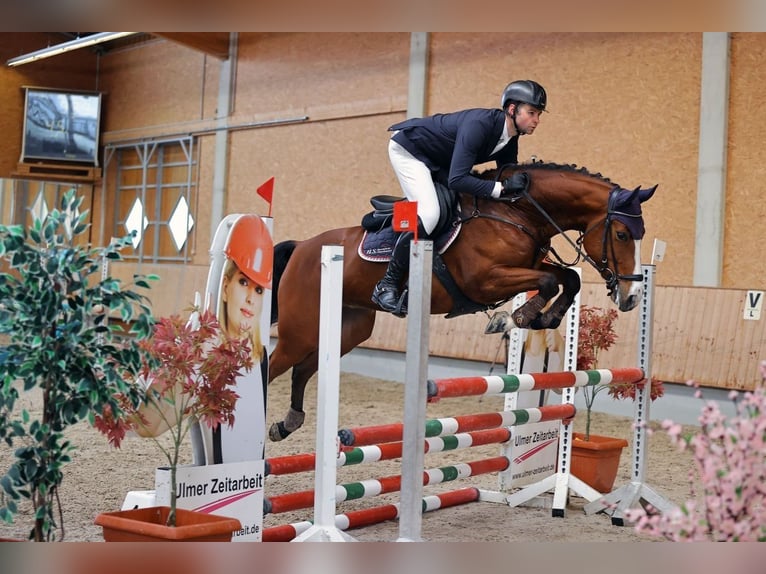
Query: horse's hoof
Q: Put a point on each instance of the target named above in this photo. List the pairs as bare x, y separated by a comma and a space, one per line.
293, 421
278, 432
499, 323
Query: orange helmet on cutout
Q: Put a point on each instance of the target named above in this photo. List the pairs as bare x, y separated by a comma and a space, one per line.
250, 246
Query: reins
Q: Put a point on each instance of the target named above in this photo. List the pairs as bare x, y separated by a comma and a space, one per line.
607, 274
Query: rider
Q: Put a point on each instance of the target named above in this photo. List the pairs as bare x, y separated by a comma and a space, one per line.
445, 148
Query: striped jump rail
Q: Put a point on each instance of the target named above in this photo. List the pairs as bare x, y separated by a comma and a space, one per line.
373, 487
499, 384
360, 436
374, 515
290, 464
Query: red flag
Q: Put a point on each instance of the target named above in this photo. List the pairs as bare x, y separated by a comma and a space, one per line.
406, 217
266, 191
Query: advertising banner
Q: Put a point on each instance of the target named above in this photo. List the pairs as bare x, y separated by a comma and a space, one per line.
232, 489
533, 448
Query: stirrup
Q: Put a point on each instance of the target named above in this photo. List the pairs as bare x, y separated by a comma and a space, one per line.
401, 305
399, 309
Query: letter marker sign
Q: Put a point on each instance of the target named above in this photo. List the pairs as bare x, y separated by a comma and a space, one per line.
753, 304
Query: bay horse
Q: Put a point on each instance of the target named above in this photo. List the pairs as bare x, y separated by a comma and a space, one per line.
503, 248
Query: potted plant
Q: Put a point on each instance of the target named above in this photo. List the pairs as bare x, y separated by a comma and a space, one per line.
191, 369
596, 458
57, 341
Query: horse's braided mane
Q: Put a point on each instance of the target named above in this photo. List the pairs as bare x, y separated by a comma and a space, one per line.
552, 167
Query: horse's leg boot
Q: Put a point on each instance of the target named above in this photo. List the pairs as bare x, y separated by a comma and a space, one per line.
386, 293
528, 312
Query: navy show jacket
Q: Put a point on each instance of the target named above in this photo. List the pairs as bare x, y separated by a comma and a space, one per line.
452, 144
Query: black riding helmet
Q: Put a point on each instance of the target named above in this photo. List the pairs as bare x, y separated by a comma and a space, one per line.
526, 92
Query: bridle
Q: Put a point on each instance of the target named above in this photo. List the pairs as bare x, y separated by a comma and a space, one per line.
610, 276
612, 212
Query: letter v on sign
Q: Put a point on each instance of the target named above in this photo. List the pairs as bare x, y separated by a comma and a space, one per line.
753, 304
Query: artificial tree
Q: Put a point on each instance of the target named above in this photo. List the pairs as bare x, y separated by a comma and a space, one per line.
597, 333
55, 310
191, 369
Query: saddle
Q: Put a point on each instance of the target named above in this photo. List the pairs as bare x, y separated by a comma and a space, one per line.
379, 239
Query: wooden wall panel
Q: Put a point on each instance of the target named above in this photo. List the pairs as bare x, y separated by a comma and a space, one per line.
151, 84
710, 342
699, 334
295, 72
458, 338
746, 164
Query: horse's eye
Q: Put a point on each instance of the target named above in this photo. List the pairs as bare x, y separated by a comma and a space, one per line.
622, 236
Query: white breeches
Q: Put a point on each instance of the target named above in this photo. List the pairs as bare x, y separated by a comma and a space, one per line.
417, 185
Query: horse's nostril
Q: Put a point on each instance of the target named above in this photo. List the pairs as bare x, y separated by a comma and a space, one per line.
631, 302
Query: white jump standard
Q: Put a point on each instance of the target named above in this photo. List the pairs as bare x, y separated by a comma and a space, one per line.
637, 492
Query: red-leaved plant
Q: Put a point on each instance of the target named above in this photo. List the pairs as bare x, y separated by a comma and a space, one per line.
730, 463
191, 369
595, 334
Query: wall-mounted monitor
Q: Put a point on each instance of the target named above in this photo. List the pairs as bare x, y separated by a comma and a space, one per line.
61, 125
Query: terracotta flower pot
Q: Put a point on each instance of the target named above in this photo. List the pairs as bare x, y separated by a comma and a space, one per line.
148, 525
596, 461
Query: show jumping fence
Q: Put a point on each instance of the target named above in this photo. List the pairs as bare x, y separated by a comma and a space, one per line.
387, 442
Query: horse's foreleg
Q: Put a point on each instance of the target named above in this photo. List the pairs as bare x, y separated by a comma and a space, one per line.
525, 315
552, 317
529, 314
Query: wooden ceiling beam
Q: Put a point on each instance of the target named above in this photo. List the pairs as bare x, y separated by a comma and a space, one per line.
214, 43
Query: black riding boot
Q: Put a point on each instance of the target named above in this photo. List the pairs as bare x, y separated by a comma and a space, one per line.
386, 293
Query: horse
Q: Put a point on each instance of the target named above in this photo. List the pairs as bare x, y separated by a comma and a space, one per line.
503, 248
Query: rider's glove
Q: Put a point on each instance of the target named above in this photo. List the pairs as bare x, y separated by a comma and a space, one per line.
515, 184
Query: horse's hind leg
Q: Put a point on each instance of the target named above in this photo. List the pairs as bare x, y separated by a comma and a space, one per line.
356, 327
295, 416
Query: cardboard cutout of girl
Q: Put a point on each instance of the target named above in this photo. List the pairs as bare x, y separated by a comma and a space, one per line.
240, 277
243, 309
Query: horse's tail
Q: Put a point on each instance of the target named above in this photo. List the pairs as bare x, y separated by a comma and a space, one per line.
282, 253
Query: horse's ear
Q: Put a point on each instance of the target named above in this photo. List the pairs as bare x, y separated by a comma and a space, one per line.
644, 194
